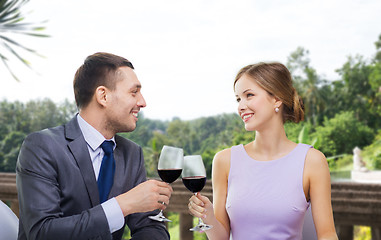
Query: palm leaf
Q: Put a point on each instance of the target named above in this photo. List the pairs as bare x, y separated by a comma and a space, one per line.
12, 21
6, 39
303, 135
17, 55
4, 59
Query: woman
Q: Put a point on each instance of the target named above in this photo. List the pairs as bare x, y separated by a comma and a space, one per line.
262, 190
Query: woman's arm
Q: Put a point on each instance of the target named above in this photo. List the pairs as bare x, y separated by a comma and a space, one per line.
317, 172
215, 214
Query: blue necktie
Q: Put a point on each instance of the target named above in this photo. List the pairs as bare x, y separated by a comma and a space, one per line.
106, 174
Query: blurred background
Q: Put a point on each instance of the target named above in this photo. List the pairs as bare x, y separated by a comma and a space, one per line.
186, 55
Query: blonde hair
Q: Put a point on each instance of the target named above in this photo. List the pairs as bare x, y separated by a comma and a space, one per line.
277, 81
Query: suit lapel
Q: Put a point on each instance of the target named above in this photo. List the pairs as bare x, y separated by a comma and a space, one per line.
118, 184
78, 148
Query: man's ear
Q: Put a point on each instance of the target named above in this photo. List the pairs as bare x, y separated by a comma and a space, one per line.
101, 95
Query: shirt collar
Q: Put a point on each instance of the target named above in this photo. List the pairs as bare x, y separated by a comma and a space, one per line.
93, 138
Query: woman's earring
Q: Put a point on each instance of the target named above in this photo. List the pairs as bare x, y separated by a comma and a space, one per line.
276, 109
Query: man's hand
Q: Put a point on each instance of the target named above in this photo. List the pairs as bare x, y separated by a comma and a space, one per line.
147, 196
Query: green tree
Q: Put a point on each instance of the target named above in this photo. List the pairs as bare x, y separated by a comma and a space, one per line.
372, 153
342, 133
375, 83
18, 119
10, 148
377, 57
152, 152
145, 129
307, 83
12, 21
45, 113
180, 134
13, 117
356, 91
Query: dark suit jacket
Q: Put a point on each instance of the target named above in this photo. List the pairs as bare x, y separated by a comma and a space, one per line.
58, 193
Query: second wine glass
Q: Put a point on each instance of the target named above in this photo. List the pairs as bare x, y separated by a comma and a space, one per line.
194, 178
169, 168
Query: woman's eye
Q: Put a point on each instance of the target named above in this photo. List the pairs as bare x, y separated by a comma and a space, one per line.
250, 95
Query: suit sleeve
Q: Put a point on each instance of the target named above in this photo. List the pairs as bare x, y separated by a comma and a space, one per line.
39, 197
140, 225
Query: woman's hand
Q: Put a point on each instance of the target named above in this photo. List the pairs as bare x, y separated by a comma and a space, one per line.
201, 207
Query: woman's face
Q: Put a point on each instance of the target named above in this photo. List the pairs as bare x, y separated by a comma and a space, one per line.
256, 106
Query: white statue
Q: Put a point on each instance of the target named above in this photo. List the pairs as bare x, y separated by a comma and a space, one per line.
358, 163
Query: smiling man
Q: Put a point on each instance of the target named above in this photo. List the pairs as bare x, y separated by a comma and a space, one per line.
81, 180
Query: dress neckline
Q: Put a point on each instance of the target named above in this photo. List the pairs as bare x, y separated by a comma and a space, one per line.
272, 160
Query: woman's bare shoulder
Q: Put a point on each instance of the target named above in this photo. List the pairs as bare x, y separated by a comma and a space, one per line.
316, 163
221, 161
223, 155
315, 157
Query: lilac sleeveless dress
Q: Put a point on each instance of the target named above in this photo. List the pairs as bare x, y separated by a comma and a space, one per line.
265, 199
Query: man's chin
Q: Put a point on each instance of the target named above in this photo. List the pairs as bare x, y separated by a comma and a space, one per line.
128, 128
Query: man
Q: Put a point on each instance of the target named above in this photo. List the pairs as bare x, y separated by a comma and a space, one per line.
63, 173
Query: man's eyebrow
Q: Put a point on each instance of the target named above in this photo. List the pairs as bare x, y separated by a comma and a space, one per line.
136, 86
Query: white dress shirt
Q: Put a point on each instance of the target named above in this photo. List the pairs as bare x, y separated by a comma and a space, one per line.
94, 139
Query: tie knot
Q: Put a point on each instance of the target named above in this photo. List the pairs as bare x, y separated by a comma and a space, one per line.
108, 147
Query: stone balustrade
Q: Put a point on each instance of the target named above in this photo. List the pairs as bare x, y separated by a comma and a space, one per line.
354, 203
8, 190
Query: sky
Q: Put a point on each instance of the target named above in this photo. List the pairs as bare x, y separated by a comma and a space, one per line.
186, 53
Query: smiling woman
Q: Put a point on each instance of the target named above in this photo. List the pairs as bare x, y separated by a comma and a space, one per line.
264, 188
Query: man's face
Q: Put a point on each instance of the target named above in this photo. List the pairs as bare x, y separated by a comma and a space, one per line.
124, 102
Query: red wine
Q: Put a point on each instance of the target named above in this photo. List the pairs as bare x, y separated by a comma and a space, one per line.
194, 184
169, 175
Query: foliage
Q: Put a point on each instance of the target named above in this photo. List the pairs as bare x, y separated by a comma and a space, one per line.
173, 227
342, 133
12, 21
301, 133
18, 119
374, 101
10, 146
362, 233
372, 153
307, 83
357, 93
341, 163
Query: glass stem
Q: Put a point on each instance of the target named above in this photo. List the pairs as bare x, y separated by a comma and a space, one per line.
200, 222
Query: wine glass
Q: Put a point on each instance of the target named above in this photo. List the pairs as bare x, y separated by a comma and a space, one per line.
169, 168
194, 178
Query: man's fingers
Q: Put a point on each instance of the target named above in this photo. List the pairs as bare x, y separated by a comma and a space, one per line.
163, 200
161, 184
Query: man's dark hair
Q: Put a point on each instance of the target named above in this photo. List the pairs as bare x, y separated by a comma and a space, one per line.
97, 70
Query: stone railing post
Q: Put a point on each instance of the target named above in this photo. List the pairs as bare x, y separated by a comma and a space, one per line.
376, 232
344, 232
186, 222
